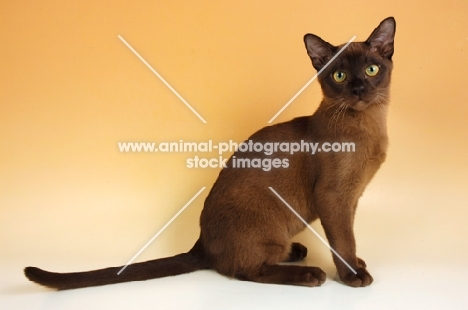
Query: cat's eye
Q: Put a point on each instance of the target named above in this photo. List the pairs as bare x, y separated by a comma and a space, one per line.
339, 76
372, 70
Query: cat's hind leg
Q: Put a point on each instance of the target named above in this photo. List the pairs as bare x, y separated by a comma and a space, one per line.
286, 274
261, 262
268, 270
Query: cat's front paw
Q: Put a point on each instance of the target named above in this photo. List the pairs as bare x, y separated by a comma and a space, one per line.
360, 279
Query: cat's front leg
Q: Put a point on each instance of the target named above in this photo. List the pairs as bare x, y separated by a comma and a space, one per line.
337, 218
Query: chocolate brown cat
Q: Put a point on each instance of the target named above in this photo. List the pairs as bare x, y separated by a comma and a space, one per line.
246, 229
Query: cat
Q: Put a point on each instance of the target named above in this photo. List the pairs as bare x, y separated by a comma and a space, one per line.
246, 229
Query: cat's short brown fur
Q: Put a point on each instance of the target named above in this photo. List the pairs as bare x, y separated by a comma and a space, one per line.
246, 230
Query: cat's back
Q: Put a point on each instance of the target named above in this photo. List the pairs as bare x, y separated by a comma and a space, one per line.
293, 130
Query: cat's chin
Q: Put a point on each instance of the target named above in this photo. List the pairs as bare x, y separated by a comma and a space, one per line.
360, 105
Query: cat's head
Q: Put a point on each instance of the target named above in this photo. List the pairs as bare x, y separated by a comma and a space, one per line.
360, 76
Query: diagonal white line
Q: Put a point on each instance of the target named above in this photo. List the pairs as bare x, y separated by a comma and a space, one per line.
161, 230
162, 79
310, 81
313, 230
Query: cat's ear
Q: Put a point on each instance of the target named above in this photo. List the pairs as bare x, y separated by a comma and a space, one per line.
320, 51
381, 39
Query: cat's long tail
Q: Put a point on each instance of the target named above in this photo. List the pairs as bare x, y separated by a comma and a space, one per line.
158, 268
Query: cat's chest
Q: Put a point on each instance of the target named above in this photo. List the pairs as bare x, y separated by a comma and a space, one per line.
370, 136
353, 170
375, 149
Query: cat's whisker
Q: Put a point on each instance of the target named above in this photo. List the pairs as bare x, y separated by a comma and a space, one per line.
344, 107
332, 106
337, 104
341, 107
381, 100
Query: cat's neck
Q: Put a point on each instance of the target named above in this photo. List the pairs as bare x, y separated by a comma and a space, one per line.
348, 122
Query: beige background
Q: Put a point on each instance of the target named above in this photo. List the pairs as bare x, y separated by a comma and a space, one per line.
70, 90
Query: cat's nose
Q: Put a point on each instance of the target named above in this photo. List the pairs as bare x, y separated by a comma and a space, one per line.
358, 90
